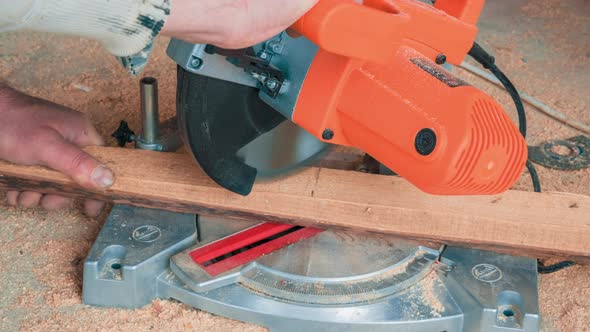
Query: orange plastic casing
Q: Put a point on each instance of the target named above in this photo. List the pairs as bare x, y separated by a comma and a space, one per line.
374, 85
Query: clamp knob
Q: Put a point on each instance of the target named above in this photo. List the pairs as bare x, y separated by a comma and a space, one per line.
124, 134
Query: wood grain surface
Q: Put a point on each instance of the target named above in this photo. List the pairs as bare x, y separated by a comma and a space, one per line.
517, 222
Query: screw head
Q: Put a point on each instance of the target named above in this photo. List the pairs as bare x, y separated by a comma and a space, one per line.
328, 134
425, 141
263, 55
441, 59
272, 84
196, 63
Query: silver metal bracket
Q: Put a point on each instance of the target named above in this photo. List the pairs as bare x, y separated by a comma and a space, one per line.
291, 57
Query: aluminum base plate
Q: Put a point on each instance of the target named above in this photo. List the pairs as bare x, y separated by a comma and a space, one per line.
334, 281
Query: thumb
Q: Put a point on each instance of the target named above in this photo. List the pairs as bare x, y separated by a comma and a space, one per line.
63, 156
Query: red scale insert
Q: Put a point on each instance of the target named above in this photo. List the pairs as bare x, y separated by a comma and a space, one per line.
246, 246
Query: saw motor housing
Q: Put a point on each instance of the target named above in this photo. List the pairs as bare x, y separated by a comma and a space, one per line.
370, 76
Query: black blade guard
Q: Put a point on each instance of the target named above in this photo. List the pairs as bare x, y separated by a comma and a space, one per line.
217, 118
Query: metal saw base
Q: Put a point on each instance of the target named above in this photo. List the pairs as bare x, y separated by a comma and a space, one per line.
344, 285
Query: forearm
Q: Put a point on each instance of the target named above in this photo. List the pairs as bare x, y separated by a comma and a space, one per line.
232, 23
206, 21
127, 27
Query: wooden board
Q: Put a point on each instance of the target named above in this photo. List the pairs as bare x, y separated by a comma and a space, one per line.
518, 222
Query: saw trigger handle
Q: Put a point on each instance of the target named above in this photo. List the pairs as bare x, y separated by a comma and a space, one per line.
375, 30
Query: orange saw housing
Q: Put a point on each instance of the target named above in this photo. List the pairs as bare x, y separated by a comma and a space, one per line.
375, 84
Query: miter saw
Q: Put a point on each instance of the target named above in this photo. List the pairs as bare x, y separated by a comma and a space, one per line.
365, 75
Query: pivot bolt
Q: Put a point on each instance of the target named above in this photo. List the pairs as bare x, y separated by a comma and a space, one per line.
328, 134
124, 134
425, 141
441, 59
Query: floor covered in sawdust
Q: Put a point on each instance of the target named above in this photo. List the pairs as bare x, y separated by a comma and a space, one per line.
543, 45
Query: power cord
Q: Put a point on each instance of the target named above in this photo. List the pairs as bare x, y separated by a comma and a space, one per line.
489, 62
534, 176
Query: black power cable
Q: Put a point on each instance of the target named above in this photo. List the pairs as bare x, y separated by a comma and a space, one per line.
534, 176
489, 62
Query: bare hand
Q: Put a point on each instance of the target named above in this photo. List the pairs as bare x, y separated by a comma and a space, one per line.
38, 132
232, 23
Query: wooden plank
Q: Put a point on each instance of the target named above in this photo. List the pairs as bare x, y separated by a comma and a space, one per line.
518, 222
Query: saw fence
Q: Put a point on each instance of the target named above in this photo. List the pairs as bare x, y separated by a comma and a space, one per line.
516, 222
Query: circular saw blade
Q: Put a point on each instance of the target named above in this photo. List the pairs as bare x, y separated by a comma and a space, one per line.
281, 150
234, 136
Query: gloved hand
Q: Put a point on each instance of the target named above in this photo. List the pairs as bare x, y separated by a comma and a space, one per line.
127, 27
124, 27
232, 23
38, 132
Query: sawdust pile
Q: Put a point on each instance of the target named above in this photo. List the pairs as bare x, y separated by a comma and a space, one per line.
424, 296
41, 276
543, 45
565, 297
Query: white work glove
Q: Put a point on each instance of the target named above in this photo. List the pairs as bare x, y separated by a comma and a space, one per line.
125, 27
